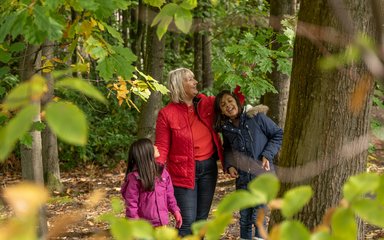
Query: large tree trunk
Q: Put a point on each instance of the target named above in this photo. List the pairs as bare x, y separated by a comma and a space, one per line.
155, 66
326, 130
49, 139
277, 103
31, 158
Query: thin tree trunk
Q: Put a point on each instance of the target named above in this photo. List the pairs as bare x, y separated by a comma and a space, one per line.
49, 140
207, 59
277, 103
31, 158
198, 57
155, 68
326, 130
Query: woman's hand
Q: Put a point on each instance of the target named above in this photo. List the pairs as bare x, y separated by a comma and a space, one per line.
265, 164
233, 172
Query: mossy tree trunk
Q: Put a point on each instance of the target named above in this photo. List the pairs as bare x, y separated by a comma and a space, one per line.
326, 129
49, 140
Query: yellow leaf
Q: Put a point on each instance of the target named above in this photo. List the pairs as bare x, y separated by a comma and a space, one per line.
26, 198
48, 66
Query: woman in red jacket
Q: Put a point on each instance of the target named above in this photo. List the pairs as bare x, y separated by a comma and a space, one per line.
189, 147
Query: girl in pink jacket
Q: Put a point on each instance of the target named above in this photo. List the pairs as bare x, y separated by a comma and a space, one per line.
147, 189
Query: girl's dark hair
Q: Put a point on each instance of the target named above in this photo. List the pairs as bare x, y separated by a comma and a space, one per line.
219, 117
141, 159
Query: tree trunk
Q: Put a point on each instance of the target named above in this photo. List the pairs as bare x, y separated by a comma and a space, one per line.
31, 158
277, 103
207, 59
198, 56
155, 68
326, 130
49, 139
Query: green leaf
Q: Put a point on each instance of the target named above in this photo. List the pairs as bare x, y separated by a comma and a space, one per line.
183, 20
155, 3
344, 224
16, 128
117, 205
358, 185
17, 47
237, 200
217, 226
164, 18
6, 24
163, 26
83, 87
53, 4
265, 184
321, 235
166, 233
141, 229
26, 140
105, 68
113, 32
370, 210
292, 230
38, 126
25, 92
4, 70
5, 56
46, 23
120, 228
295, 199
189, 4
68, 122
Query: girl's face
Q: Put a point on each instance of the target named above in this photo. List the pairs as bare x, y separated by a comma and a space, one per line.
228, 106
156, 152
190, 86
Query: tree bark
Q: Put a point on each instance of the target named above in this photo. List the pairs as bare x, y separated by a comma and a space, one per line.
49, 140
198, 58
31, 158
207, 59
155, 68
326, 130
277, 103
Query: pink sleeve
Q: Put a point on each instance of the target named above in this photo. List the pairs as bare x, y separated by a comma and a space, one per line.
131, 196
163, 137
171, 200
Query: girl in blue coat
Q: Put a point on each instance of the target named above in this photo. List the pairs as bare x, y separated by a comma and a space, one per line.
250, 145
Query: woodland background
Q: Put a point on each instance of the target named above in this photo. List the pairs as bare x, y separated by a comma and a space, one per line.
80, 80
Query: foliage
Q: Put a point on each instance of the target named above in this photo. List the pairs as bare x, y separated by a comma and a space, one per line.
363, 197
35, 22
246, 57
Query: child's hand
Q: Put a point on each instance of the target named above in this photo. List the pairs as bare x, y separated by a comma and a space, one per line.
233, 172
179, 219
265, 164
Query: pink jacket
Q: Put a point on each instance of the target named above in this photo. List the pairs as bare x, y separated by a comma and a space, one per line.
174, 139
153, 206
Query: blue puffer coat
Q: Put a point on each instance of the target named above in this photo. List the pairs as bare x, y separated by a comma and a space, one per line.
255, 137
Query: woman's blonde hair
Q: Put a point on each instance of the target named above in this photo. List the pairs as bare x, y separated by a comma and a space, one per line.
175, 83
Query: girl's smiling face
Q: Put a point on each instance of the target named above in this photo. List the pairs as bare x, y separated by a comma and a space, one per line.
228, 106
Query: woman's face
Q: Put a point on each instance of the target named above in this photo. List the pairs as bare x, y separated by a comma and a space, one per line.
190, 86
228, 106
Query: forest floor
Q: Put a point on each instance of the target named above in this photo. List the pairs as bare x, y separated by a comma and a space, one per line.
70, 209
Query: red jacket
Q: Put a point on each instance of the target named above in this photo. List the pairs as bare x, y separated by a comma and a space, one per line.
174, 139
